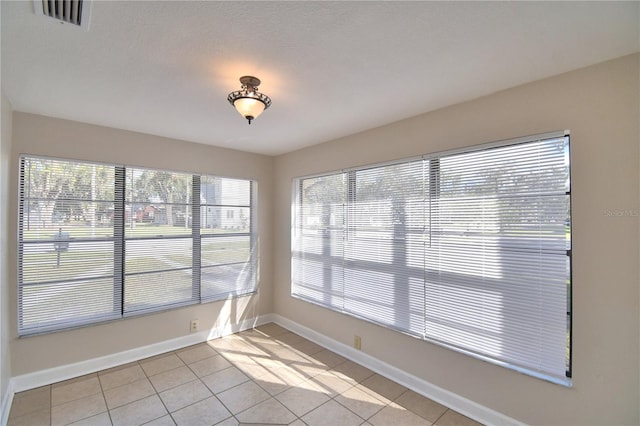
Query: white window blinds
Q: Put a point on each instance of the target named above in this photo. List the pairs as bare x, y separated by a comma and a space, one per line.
470, 250
228, 244
66, 245
99, 242
158, 240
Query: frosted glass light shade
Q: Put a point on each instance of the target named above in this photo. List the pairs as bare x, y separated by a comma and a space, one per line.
250, 108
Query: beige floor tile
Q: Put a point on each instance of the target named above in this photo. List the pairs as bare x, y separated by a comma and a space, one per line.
418, 404
289, 356
138, 412
255, 335
118, 367
298, 423
237, 357
75, 390
307, 347
302, 398
125, 394
280, 379
78, 409
310, 367
453, 418
360, 402
252, 350
209, 365
229, 345
250, 368
30, 401
328, 358
272, 384
231, 421
331, 384
331, 414
160, 364
266, 344
162, 421
383, 386
269, 362
183, 395
289, 338
270, 411
33, 418
243, 396
196, 353
116, 378
272, 329
376, 395
251, 332
225, 379
204, 413
393, 415
74, 380
172, 378
102, 419
352, 372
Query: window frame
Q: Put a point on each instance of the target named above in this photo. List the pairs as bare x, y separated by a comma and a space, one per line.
119, 240
432, 192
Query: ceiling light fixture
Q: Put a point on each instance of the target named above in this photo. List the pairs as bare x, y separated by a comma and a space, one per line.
248, 101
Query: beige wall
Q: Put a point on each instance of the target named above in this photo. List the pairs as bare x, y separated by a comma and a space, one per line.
39, 135
599, 105
5, 282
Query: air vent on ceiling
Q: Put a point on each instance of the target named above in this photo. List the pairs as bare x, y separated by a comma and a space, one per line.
74, 12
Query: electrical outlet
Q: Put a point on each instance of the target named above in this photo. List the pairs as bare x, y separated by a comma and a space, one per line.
357, 342
195, 325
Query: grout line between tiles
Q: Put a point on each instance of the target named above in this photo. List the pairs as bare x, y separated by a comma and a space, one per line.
441, 416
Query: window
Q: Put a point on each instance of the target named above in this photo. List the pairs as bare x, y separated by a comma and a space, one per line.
98, 242
228, 244
158, 260
468, 249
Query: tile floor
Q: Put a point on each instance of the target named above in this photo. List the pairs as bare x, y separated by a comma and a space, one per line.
267, 375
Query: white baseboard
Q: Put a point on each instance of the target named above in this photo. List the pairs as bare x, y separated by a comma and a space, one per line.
462, 405
57, 374
6, 404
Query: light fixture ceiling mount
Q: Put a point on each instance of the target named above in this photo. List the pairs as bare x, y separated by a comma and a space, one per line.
248, 101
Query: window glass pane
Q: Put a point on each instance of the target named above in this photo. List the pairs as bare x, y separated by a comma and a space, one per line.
497, 260
228, 255
158, 240
157, 203
225, 205
318, 247
52, 306
227, 267
384, 254
66, 245
148, 292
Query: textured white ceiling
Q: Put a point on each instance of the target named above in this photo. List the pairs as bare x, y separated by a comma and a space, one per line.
331, 68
